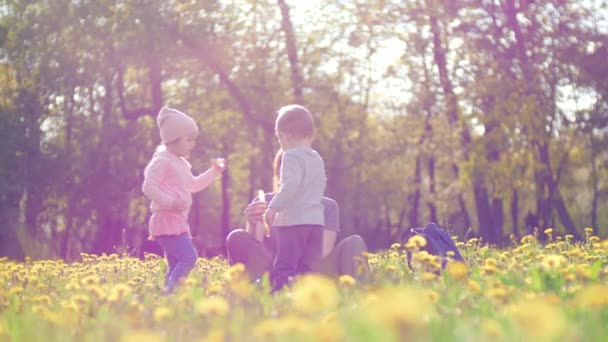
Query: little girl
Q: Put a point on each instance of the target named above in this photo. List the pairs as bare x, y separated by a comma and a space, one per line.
168, 183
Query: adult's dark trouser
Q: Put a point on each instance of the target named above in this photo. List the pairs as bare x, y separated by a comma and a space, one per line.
243, 248
345, 258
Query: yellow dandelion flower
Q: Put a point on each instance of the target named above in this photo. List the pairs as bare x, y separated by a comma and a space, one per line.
492, 328
97, 292
347, 280
583, 272
212, 306
274, 329
235, 271
499, 294
69, 305
329, 330
549, 231
81, 300
489, 270
314, 293
141, 335
592, 297
434, 264
242, 287
396, 246
90, 280
457, 270
474, 286
433, 296
380, 307
15, 291
215, 287
588, 231
418, 240
267, 330
594, 239
422, 256
162, 313
391, 267
491, 262
538, 318
551, 298
528, 239
119, 292
552, 262
215, 336
428, 276
43, 299
40, 310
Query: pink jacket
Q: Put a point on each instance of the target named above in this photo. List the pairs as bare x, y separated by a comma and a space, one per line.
167, 179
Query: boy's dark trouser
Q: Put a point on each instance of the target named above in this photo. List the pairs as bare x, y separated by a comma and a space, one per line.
298, 251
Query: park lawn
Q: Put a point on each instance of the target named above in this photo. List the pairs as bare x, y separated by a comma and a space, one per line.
551, 291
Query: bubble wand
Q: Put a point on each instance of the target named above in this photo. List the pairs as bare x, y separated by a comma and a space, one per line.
262, 198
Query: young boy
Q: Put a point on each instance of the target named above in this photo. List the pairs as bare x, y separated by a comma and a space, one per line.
296, 210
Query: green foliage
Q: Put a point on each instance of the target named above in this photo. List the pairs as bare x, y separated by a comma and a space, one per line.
82, 81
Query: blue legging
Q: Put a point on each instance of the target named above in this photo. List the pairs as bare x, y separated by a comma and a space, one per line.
181, 256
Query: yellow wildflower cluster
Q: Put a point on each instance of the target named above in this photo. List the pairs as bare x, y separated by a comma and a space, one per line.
539, 289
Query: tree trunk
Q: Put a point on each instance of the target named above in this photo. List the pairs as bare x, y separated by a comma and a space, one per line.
594, 184
564, 216
515, 212
484, 212
451, 105
292, 52
498, 218
431, 204
413, 217
226, 225
156, 91
108, 227
69, 214
30, 110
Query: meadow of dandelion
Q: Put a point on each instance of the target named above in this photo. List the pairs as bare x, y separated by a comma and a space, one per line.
554, 290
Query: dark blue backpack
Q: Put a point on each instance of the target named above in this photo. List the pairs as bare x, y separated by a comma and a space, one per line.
438, 243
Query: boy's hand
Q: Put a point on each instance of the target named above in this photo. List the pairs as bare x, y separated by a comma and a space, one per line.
218, 164
269, 216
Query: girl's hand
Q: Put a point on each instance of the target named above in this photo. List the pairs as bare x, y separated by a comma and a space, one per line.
218, 164
269, 216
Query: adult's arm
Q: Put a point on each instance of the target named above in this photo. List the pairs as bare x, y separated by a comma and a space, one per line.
329, 241
253, 215
331, 210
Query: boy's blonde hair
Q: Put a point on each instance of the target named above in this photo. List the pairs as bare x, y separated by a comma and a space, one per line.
295, 121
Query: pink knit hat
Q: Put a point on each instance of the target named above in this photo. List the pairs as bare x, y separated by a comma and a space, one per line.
174, 124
